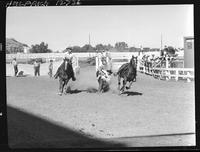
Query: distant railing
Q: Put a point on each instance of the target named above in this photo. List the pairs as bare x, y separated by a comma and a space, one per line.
60, 55
170, 73
45, 55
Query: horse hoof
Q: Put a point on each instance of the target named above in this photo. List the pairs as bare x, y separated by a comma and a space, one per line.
127, 88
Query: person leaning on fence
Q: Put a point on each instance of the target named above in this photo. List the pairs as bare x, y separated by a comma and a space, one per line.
15, 66
69, 57
36, 68
51, 68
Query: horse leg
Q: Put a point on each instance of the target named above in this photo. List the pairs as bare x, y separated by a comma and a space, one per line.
130, 83
99, 81
124, 85
100, 90
65, 85
60, 86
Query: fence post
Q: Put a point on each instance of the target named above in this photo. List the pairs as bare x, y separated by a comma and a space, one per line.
188, 77
160, 74
176, 78
143, 69
77, 63
97, 62
167, 75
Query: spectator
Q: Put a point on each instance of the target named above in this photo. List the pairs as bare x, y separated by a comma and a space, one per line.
36, 68
15, 65
51, 68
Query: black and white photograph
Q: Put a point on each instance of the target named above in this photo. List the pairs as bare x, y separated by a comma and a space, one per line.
101, 76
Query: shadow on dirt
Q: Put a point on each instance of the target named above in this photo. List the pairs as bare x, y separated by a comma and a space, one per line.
74, 91
88, 90
131, 93
24, 75
31, 131
91, 90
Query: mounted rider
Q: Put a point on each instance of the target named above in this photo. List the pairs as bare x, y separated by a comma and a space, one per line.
103, 70
69, 58
106, 61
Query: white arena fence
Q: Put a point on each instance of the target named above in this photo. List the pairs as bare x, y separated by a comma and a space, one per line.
46, 56
174, 73
118, 57
60, 55
168, 73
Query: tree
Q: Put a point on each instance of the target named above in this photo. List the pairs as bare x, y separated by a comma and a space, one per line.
103, 47
40, 48
99, 47
87, 48
132, 49
109, 46
121, 46
170, 50
76, 49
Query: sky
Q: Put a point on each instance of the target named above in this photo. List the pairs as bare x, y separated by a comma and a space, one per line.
139, 25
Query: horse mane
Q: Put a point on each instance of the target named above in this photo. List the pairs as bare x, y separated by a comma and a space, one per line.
128, 69
62, 73
132, 63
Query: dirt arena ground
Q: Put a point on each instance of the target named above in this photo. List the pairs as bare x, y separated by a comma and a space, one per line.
152, 113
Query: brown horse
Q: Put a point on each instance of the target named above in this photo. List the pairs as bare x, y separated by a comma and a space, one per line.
127, 72
64, 74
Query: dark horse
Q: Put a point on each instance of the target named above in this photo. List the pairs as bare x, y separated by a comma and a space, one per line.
128, 72
64, 74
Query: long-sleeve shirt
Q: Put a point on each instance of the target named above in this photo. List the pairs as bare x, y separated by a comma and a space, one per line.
36, 64
14, 63
69, 55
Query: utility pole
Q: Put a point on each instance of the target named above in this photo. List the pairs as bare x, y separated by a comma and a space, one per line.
161, 42
89, 39
161, 45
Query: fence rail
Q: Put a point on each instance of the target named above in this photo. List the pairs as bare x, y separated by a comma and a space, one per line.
60, 55
169, 73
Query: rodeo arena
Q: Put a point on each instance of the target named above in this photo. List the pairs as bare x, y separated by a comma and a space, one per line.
123, 99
